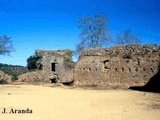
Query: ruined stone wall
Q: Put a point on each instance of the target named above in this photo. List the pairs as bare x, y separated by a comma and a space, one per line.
122, 66
56, 64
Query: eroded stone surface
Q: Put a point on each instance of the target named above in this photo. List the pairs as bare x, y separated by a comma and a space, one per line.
57, 65
117, 66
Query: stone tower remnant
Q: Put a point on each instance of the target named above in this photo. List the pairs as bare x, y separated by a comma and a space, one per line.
56, 64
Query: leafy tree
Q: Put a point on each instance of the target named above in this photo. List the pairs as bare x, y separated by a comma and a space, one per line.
33, 62
127, 37
94, 32
5, 45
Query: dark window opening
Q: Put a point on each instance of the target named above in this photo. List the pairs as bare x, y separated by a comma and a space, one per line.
53, 80
106, 61
53, 65
122, 69
106, 66
144, 69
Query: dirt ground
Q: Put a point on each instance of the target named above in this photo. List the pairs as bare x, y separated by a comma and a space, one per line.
61, 103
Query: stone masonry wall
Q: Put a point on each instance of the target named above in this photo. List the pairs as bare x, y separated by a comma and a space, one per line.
122, 66
56, 64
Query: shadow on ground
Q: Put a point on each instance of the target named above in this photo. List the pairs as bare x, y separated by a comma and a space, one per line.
153, 84
69, 83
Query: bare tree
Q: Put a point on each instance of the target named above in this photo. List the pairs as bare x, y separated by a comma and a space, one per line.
5, 45
127, 37
94, 32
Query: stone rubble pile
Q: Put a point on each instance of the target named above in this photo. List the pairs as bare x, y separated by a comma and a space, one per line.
4, 78
119, 50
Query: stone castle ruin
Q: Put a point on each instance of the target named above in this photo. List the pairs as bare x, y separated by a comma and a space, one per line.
122, 66
56, 64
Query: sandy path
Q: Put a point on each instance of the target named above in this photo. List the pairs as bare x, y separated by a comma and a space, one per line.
48, 103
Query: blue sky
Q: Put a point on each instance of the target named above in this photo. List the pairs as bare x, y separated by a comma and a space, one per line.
52, 24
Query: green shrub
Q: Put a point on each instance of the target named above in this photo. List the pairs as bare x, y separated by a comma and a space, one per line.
14, 77
66, 59
32, 62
